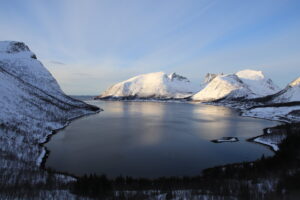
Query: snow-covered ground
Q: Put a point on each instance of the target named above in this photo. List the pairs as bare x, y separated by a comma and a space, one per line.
268, 141
226, 139
282, 113
153, 86
32, 106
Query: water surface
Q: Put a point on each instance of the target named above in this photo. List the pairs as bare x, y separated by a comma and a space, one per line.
152, 139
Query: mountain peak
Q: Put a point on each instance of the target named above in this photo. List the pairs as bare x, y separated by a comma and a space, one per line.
209, 77
296, 82
174, 76
19, 49
250, 74
13, 47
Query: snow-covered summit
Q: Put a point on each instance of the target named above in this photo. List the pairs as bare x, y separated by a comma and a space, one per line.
222, 86
257, 82
209, 77
173, 76
245, 84
15, 49
17, 59
12, 47
156, 85
295, 83
250, 74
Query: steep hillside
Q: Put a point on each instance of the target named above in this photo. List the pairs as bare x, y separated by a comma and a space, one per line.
32, 106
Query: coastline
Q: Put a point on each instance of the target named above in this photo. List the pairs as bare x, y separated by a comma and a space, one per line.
269, 146
239, 110
73, 179
266, 131
45, 152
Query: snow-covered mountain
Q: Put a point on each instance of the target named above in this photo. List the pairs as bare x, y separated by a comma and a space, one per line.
208, 77
257, 82
151, 86
32, 106
284, 105
291, 93
246, 84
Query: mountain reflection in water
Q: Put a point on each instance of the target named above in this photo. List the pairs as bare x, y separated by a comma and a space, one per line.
152, 139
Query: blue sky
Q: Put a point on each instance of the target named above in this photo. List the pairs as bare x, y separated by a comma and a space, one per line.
89, 45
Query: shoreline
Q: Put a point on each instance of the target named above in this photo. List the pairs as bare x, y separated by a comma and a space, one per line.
237, 109
252, 139
46, 152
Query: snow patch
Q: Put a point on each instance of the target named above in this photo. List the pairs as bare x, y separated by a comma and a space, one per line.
267, 142
274, 113
41, 157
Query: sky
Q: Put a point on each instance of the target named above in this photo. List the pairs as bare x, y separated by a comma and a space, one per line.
88, 45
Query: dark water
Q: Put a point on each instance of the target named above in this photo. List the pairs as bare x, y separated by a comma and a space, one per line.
150, 139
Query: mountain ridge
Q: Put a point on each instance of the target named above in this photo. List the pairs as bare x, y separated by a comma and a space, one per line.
157, 85
245, 84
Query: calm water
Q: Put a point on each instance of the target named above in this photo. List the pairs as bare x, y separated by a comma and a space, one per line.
150, 139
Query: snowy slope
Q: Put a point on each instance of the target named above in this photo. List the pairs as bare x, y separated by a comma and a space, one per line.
245, 84
222, 86
257, 82
153, 85
289, 94
280, 113
32, 105
283, 106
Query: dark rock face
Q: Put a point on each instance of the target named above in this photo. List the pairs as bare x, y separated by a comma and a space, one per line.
175, 76
16, 47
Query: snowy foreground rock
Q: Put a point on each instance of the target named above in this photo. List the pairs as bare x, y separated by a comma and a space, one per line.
246, 84
32, 106
151, 86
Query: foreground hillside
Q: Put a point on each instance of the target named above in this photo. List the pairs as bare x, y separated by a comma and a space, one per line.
32, 106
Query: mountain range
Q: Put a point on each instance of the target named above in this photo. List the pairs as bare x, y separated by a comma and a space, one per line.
33, 106
243, 85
